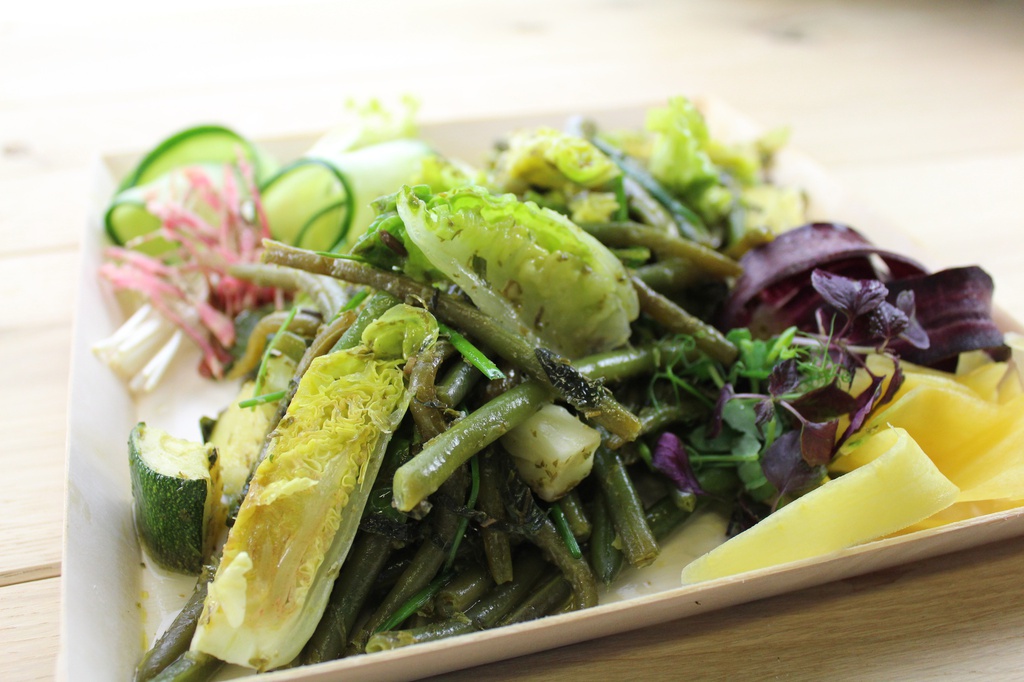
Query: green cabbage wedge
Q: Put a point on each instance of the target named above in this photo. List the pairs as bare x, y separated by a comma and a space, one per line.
530, 268
306, 497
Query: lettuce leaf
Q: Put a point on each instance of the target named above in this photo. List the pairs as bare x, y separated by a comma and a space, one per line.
298, 519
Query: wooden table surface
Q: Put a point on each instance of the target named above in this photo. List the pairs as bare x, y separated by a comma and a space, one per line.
916, 106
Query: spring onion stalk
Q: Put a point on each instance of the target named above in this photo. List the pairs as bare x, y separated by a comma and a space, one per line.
472, 354
562, 525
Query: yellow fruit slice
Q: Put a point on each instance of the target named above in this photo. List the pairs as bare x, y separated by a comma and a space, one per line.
898, 488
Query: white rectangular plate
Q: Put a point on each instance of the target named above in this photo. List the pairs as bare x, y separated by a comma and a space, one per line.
104, 615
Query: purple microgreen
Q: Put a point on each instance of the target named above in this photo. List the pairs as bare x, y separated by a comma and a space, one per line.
817, 441
866, 401
895, 381
764, 411
785, 378
784, 465
671, 458
914, 334
724, 396
851, 297
887, 321
824, 403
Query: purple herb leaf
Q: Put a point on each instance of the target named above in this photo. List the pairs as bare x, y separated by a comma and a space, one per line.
724, 396
914, 334
784, 466
764, 411
824, 403
671, 458
851, 297
887, 321
894, 384
866, 402
817, 441
785, 378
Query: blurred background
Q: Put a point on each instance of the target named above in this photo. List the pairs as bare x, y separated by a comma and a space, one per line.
914, 105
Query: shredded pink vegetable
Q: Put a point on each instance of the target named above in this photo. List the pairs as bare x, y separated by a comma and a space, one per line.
189, 283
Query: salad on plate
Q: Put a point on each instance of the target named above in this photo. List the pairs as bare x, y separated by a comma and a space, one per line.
467, 396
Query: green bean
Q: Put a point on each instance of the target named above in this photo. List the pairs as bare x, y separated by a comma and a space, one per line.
689, 223
303, 323
327, 295
457, 383
669, 275
387, 640
605, 557
665, 515
377, 305
522, 507
649, 209
474, 491
596, 403
497, 547
656, 418
484, 614
424, 405
365, 561
442, 455
626, 363
547, 598
627, 513
575, 568
178, 636
463, 591
426, 563
700, 257
575, 515
677, 321
191, 666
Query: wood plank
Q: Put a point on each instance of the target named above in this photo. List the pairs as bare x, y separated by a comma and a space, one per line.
29, 630
32, 507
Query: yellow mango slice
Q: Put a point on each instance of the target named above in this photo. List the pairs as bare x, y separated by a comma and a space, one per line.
898, 488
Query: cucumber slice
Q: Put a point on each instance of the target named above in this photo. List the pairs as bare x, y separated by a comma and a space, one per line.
308, 203
176, 488
201, 144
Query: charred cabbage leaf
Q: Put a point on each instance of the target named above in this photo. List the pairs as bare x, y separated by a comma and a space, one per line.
306, 497
530, 268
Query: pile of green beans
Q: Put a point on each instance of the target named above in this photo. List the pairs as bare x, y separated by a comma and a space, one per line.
453, 540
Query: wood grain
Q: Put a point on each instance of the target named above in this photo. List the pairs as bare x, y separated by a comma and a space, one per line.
915, 104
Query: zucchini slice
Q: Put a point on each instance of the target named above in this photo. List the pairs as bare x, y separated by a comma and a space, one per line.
176, 488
